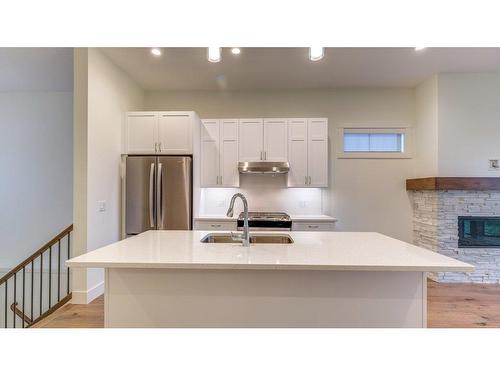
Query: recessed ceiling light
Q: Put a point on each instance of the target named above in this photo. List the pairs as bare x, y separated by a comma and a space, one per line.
156, 51
316, 53
420, 48
214, 54
235, 51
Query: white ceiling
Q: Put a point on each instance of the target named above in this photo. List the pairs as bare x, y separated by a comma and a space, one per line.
36, 69
286, 68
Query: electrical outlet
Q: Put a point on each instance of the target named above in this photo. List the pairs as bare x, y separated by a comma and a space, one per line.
494, 165
101, 205
302, 204
221, 203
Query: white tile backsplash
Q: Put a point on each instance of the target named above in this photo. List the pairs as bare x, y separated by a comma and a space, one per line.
264, 193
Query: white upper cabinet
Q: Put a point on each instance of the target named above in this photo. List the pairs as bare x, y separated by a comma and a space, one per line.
229, 175
175, 133
140, 132
317, 157
169, 133
275, 140
263, 140
251, 139
308, 152
219, 153
297, 151
210, 153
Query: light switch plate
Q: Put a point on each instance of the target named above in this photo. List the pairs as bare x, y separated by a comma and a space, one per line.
494, 165
101, 205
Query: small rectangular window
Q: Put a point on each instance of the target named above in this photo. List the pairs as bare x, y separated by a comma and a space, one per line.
363, 142
373, 142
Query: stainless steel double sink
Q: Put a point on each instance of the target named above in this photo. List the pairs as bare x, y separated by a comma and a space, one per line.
254, 238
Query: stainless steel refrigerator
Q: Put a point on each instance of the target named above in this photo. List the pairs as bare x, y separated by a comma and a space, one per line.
158, 193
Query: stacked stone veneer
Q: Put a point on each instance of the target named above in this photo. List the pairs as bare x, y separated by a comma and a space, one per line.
435, 227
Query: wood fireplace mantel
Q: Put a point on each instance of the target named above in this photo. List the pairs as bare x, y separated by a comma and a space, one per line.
453, 183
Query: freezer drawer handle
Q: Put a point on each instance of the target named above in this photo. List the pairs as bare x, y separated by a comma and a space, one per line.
151, 195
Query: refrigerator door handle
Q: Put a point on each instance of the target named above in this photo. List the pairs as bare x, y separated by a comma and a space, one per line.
151, 195
159, 197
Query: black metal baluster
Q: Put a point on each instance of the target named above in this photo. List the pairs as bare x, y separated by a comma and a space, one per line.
69, 246
32, 291
15, 297
23, 296
6, 289
58, 270
41, 281
50, 276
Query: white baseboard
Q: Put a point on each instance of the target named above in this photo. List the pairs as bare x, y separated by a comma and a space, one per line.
83, 297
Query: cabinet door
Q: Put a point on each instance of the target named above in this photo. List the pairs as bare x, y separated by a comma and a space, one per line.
251, 141
229, 174
140, 133
175, 133
297, 152
275, 140
210, 135
318, 152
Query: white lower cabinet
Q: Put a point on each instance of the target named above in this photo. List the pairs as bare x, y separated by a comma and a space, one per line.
313, 226
214, 225
219, 153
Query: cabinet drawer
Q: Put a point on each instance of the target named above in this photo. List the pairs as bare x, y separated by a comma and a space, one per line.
312, 226
215, 225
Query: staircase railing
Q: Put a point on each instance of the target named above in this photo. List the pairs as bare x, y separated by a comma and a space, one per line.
37, 286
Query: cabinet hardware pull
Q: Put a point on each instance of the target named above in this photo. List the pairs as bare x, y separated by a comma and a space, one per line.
305, 180
221, 180
159, 147
309, 180
215, 225
313, 226
156, 147
265, 155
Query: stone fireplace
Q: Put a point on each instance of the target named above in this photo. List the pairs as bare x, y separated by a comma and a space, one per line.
460, 221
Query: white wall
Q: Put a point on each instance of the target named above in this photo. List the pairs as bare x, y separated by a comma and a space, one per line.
469, 123
363, 194
110, 93
426, 134
36, 163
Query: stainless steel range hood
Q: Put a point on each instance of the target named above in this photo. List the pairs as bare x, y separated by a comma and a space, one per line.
272, 167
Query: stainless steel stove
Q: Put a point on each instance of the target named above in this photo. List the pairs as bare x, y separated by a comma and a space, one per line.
262, 221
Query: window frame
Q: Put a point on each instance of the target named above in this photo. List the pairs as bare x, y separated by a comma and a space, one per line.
375, 128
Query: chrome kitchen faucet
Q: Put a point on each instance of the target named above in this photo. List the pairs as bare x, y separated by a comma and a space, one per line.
245, 236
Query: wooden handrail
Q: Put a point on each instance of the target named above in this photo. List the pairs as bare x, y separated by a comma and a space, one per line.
20, 314
36, 254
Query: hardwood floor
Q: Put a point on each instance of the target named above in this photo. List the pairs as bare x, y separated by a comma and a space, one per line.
463, 305
449, 305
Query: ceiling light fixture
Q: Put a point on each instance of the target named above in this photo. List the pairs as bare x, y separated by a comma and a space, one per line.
235, 51
316, 53
214, 54
156, 51
420, 48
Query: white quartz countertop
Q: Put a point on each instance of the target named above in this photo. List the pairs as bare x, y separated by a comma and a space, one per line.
215, 218
349, 251
306, 218
296, 218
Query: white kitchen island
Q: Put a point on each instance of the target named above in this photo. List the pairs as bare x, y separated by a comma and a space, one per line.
323, 279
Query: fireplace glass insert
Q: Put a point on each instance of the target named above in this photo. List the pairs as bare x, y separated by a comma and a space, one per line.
479, 231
